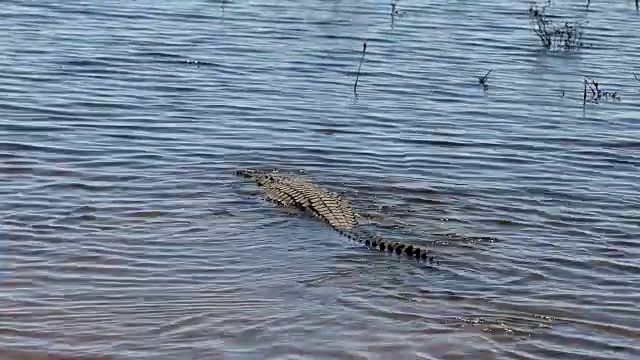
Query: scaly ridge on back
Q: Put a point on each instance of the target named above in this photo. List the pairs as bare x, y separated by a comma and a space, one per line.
328, 206
290, 191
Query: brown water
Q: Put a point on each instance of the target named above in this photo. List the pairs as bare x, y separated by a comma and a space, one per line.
125, 234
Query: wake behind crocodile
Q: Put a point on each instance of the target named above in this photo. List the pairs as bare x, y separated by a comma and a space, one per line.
295, 192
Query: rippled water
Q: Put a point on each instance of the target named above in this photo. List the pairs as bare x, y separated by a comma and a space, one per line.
125, 234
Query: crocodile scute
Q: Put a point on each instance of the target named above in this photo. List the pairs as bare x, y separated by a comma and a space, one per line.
330, 207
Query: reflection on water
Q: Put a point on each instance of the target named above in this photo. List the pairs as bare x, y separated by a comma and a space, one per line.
125, 234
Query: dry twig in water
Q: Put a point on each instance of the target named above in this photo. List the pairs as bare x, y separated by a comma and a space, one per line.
567, 36
483, 80
592, 93
364, 50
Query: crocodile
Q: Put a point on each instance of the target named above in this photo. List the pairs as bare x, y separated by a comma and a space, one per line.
328, 206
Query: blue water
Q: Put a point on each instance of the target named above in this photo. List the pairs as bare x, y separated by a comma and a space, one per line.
125, 234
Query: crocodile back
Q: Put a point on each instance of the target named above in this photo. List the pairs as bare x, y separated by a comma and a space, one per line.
297, 192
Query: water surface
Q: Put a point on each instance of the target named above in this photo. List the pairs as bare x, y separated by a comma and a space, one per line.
125, 234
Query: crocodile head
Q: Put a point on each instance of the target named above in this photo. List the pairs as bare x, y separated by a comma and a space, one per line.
259, 176
248, 173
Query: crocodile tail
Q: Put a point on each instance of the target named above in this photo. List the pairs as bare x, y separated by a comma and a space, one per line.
373, 240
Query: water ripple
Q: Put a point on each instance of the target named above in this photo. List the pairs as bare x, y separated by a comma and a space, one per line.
125, 234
